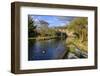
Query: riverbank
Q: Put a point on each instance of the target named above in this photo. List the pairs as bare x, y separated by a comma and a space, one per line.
73, 52
44, 38
76, 42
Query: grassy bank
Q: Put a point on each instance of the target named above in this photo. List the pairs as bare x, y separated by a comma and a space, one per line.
83, 46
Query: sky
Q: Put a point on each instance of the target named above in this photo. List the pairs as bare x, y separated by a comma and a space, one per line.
53, 21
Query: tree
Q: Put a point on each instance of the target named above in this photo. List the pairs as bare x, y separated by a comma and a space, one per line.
79, 27
31, 27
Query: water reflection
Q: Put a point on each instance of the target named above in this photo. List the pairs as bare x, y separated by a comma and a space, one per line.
53, 49
46, 49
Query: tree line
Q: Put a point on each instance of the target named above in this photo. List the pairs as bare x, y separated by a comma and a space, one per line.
42, 31
78, 26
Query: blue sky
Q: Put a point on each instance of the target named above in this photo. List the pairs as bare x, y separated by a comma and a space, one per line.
53, 21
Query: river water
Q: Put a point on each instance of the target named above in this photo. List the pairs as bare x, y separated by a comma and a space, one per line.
52, 49
47, 49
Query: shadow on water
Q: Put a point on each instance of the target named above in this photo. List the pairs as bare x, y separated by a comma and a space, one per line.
30, 44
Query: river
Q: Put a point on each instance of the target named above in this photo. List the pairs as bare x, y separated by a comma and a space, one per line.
48, 50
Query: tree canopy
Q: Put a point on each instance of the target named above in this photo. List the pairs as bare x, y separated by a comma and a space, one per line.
79, 27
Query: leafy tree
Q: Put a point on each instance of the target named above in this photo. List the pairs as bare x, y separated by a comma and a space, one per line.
31, 27
79, 27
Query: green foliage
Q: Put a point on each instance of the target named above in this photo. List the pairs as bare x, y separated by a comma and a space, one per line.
72, 48
52, 32
78, 23
31, 27
31, 23
79, 27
